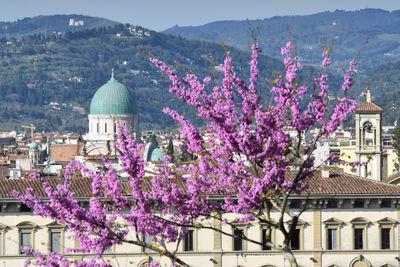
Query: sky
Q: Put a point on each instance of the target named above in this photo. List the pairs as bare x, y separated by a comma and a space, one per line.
162, 14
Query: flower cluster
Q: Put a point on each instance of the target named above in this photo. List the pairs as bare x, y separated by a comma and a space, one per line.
245, 151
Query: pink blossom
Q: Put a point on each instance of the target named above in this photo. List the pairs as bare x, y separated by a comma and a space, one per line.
243, 161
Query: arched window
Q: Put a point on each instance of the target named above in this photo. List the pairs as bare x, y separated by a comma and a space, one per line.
368, 133
105, 127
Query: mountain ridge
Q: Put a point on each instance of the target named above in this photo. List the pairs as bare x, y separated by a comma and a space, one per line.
351, 29
49, 80
48, 24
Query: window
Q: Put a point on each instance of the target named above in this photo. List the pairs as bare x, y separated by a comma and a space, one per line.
331, 239
97, 127
77, 243
295, 204
265, 239
115, 128
295, 240
386, 203
188, 241
237, 239
24, 208
25, 241
56, 235
55, 242
359, 204
385, 238
386, 229
105, 127
108, 250
358, 238
360, 234
147, 240
267, 235
26, 235
332, 204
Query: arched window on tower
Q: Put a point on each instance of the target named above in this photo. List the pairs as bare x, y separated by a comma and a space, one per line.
368, 134
97, 127
115, 128
105, 127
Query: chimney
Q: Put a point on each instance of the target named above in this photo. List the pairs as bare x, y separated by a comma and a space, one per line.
325, 172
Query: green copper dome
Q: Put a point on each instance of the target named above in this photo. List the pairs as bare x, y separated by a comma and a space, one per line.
157, 154
112, 98
33, 146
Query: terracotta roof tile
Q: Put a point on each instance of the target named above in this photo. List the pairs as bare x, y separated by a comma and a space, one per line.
81, 186
369, 107
60, 153
346, 184
337, 184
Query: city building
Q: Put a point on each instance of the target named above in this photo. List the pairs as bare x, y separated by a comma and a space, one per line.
349, 221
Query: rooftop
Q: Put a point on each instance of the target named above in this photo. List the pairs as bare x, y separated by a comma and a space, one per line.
369, 106
337, 184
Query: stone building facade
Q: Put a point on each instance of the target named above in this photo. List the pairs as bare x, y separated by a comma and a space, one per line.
350, 221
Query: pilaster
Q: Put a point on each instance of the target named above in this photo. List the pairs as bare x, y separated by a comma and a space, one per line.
317, 238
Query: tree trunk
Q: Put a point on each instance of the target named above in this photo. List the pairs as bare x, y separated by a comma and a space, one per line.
287, 252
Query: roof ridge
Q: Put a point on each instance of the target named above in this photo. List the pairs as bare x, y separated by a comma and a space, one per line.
369, 106
370, 180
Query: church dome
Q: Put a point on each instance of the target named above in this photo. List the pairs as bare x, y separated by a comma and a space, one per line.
33, 146
113, 98
157, 154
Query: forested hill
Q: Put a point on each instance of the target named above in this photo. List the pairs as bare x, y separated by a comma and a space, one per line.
49, 80
350, 28
51, 24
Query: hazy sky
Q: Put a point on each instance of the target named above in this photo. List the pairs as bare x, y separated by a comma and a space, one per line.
162, 14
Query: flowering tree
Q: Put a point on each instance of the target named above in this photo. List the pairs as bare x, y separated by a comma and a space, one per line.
243, 166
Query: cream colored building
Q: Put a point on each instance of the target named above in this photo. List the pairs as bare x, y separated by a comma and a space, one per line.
350, 221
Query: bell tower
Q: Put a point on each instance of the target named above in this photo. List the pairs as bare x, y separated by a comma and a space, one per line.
369, 139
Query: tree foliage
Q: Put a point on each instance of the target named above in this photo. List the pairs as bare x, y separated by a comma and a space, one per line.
68, 68
245, 165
